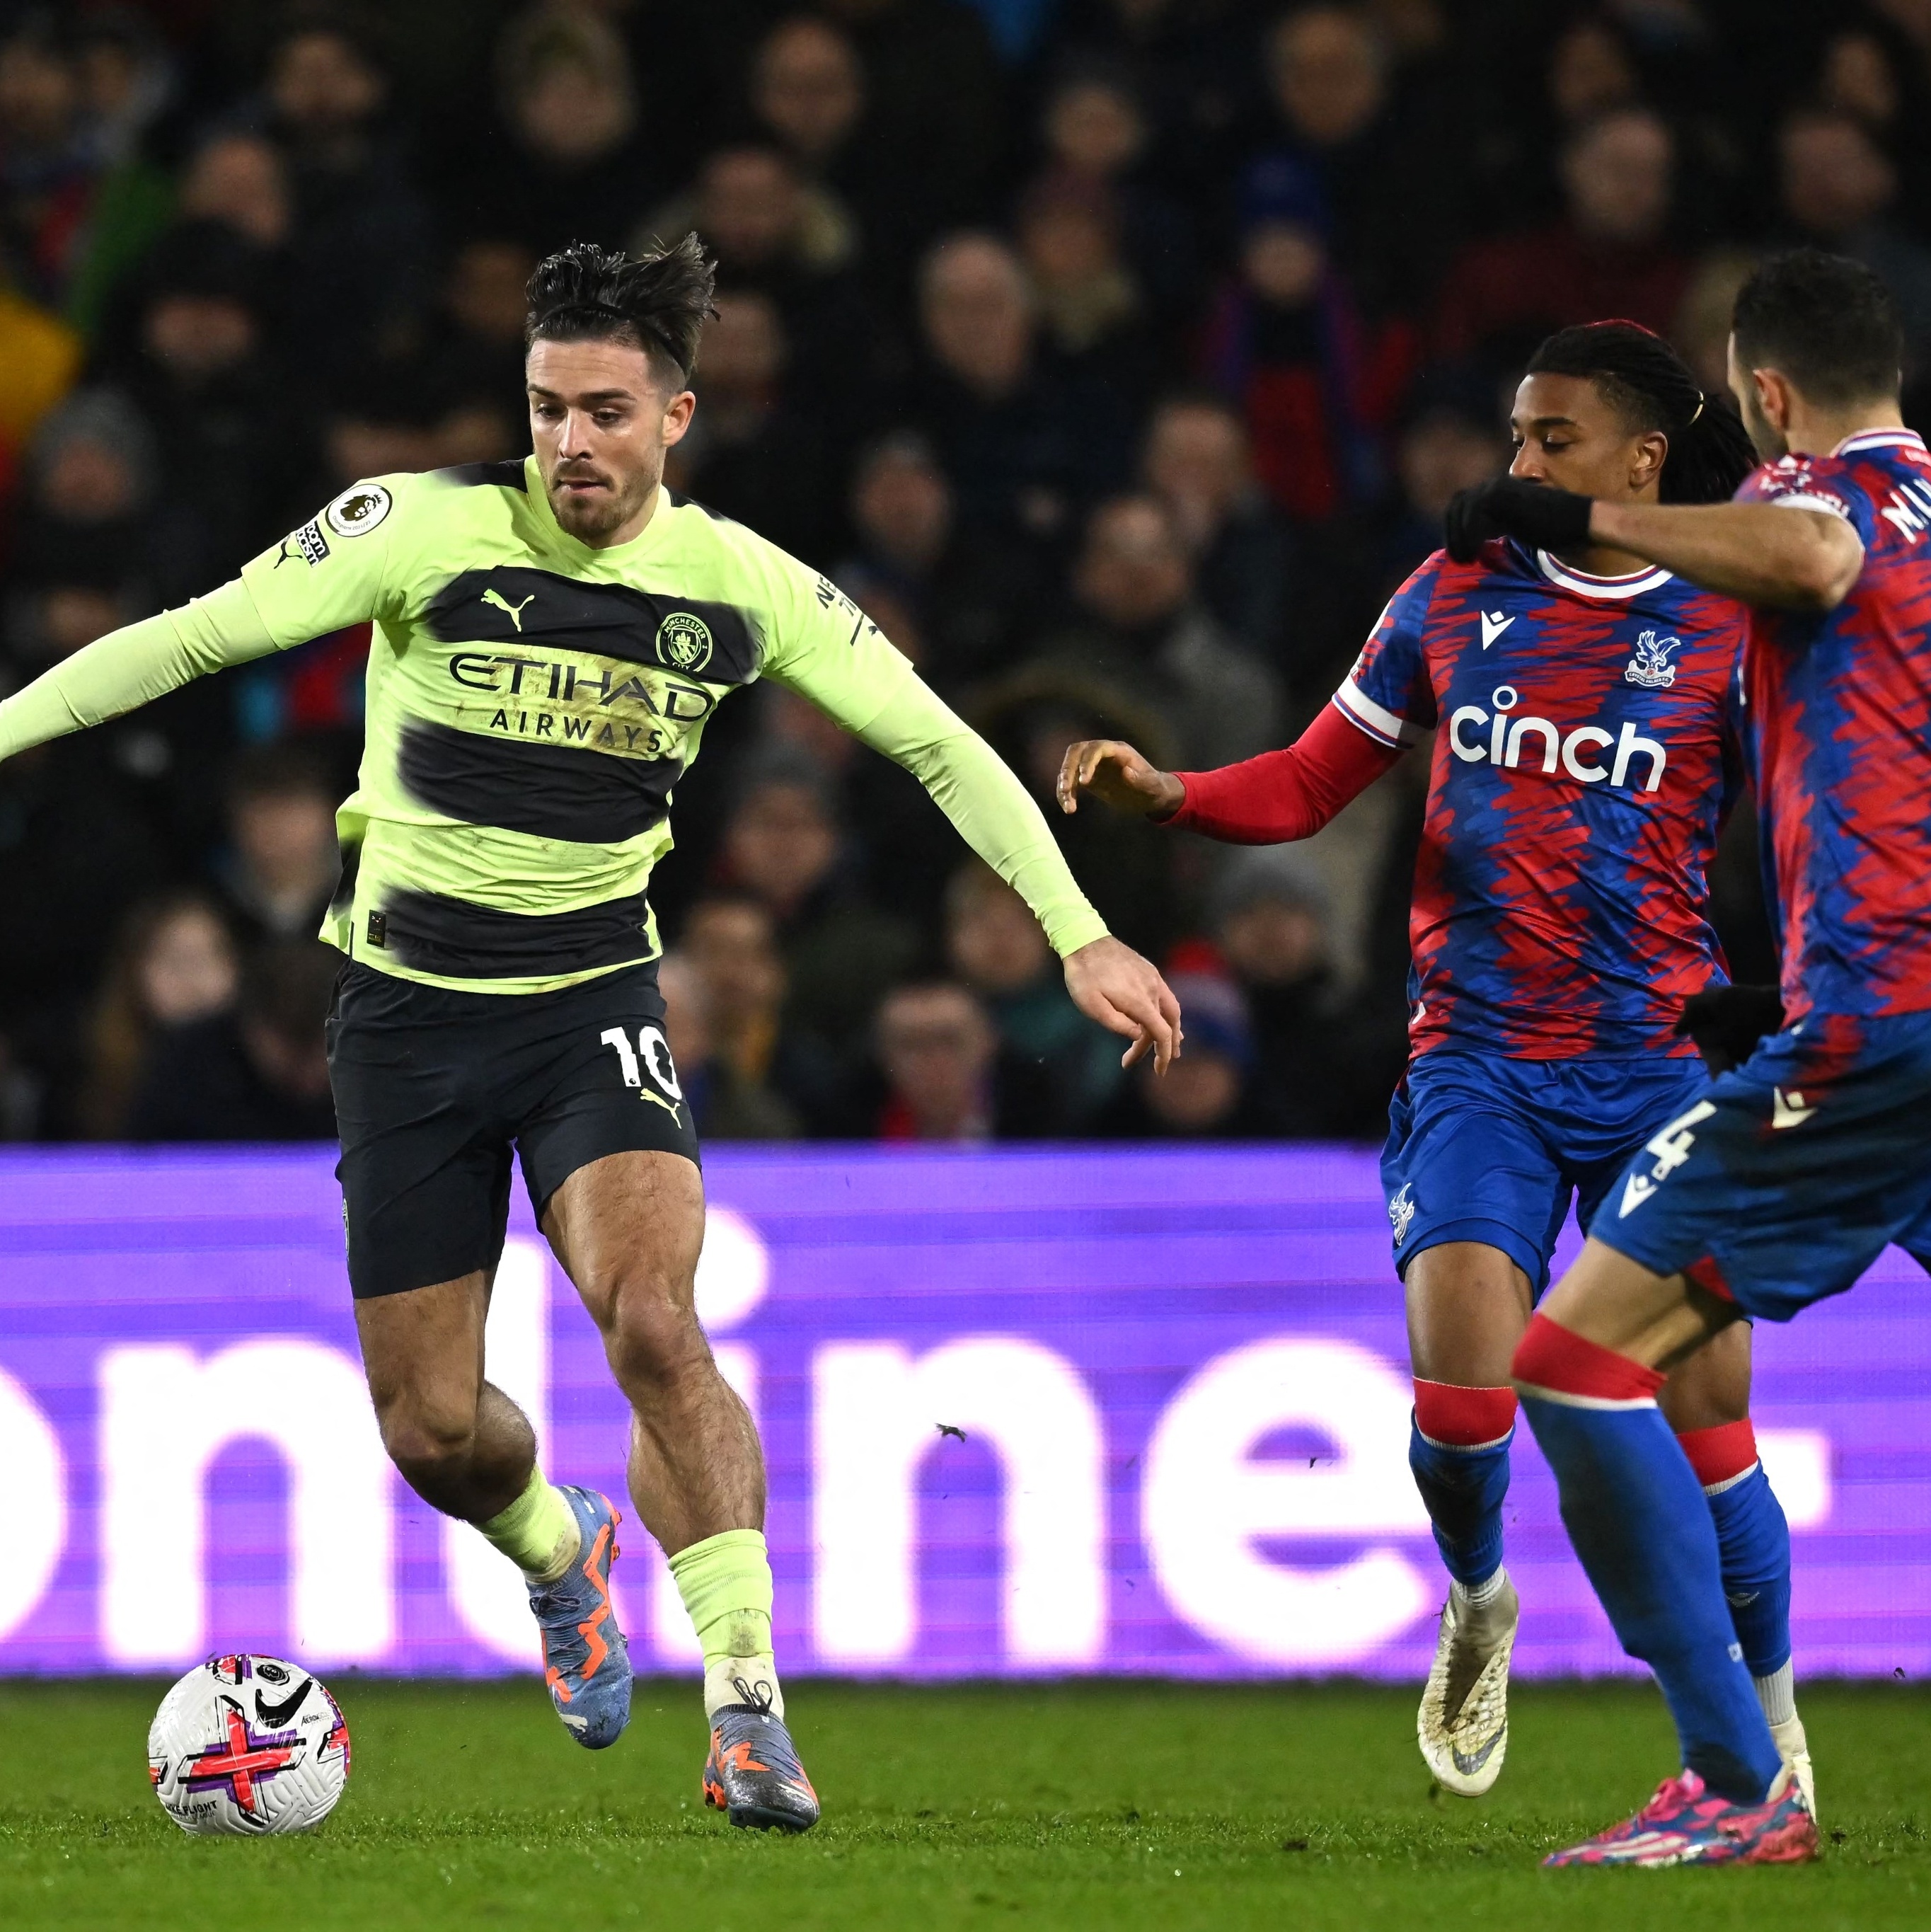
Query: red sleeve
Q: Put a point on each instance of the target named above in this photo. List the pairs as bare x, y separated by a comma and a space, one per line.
1285, 795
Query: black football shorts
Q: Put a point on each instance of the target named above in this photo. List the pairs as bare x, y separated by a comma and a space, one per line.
433, 1088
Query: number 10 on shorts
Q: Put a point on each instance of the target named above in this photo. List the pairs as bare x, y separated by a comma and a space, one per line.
656, 1052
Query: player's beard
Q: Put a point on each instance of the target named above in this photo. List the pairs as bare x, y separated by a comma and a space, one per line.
588, 518
1765, 437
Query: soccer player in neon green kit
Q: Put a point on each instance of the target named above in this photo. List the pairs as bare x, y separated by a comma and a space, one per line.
550, 638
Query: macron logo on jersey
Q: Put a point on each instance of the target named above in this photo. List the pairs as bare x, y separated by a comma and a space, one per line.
1579, 752
1493, 625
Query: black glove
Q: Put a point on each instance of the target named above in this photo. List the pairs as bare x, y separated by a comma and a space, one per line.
1726, 1022
1505, 506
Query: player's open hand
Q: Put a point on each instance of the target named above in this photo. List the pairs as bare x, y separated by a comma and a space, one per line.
1117, 776
1112, 984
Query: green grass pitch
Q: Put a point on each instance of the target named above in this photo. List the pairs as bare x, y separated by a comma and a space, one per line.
1080, 1805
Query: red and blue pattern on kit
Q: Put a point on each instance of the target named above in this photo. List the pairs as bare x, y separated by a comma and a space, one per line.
1838, 709
1585, 752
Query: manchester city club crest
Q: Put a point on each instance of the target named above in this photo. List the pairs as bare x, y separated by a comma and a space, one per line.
1650, 667
684, 641
357, 512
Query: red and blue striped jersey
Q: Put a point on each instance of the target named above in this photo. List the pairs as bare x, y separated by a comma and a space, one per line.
1585, 752
1838, 708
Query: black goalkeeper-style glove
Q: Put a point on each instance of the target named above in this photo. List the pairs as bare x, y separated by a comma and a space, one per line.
1726, 1022
1505, 506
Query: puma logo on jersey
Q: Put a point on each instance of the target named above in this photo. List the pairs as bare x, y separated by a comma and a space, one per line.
513, 611
1788, 1110
1493, 625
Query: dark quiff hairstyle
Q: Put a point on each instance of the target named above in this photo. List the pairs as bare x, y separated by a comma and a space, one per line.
658, 303
1651, 387
1827, 322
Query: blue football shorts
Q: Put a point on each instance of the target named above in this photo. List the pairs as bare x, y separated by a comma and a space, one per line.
1787, 1179
1481, 1148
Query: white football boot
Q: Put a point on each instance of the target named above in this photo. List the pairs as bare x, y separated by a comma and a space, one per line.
1463, 1724
1794, 1748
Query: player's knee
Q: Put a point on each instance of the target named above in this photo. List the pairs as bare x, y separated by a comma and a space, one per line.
427, 1439
652, 1336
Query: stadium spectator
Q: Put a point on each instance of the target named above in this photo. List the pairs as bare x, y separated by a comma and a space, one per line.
945, 1078
1137, 628
724, 1104
1197, 461
964, 590
1027, 447
1284, 342
731, 941
256, 1072
200, 366
994, 947
578, 166
358, 276
48, 174
1319, 1071
1838, 188
751, 454
1451, 440
242, 181
1609, 254
1212, 1099
784, 846
1095, 132
279, 871
1091, 311
174, 963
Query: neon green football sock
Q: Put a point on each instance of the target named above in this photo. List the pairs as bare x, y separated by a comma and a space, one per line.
538, 1532
725, 1582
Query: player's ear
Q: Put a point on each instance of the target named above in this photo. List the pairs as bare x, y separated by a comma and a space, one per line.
677, 415
1651, 453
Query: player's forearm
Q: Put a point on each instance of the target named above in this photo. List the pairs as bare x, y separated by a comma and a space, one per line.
1768, 553
134, 666
991, 809
1285, 795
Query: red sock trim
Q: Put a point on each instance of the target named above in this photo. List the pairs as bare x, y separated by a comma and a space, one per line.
1708, 1276
1463, 1418
1556, 1361
1721, 1454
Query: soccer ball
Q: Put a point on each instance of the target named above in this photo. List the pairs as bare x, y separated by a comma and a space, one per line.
248, 1745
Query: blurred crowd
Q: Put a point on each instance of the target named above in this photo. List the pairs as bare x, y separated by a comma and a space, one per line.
1118, 356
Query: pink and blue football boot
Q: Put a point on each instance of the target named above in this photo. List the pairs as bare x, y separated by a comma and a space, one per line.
586, 1662
1687, 1824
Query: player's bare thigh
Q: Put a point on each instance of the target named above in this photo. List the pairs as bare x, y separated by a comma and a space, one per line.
422, 1351
1468, 1305
627, 1230
1657, 1320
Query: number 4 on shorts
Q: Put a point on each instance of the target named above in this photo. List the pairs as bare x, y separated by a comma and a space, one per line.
655, 1050
1671, 1145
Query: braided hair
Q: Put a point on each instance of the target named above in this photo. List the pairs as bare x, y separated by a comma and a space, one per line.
1644, 380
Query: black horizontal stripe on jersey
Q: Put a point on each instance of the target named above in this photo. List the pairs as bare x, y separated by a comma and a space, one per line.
549, 791
478, 475
510, 604
430, 932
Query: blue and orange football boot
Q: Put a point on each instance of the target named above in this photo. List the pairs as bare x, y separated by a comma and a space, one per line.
753, 1774
1687, 1824
586, 1662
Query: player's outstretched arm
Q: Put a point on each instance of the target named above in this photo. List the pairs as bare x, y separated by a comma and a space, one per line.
1779, 553
134, 666
1279, 796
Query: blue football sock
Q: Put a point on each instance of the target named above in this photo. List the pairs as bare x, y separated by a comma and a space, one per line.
1463, 1490
1753, 1541
1637, 1516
